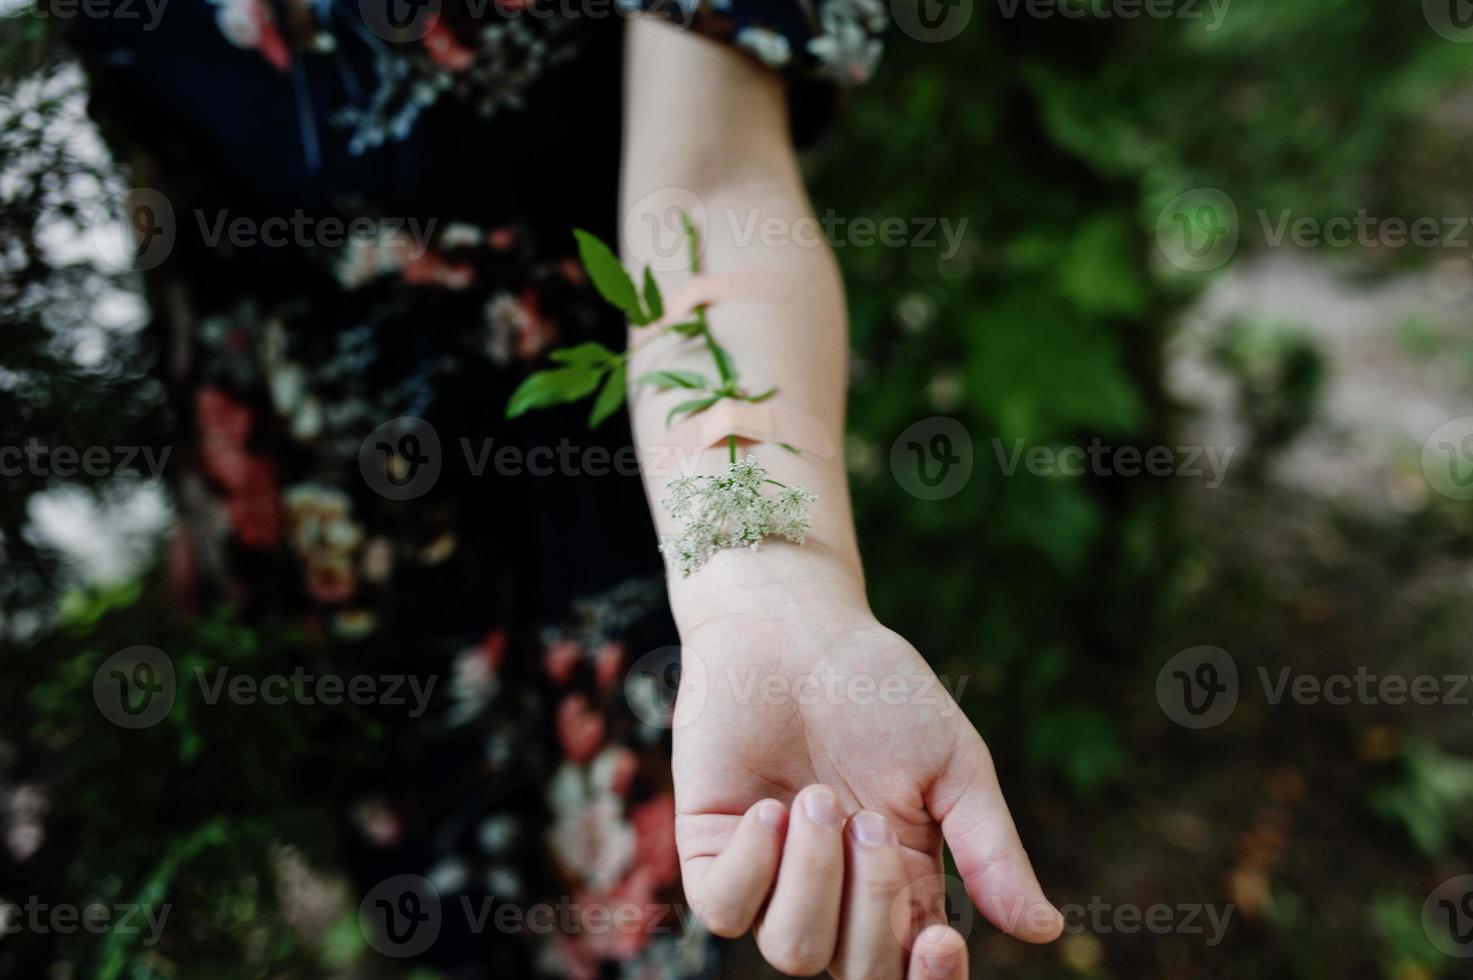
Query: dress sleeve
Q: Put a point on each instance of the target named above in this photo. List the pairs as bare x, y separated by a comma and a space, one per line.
822, 46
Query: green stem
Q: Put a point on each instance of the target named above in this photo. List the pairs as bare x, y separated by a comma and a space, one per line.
728, 377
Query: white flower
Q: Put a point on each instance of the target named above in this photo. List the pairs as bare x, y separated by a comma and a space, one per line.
769, 46
845, 49
874, 14
506, 320
448, 876
497, 833
731, 511
504, 883
589, 836
460, 234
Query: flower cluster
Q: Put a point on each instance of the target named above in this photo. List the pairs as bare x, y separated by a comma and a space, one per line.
732, 510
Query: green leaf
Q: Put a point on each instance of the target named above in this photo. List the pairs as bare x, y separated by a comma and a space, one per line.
654, 304
590, 354
754, 399
608, 276
610, 397
690, 407
723, 362
551, 388
687, 329
676, 379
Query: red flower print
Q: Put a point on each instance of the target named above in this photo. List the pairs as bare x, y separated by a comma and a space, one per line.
608, 664
221, 418
248, 24
493, 648
619, 928
536, 333
580, 728
444, 49
252, 505
501, 239
560, 659
572, 271
654, 838
225, 464
430, 269
249, 481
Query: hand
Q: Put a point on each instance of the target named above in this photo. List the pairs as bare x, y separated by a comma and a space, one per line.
819, 767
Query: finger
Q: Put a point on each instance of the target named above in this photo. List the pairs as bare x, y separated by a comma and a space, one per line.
728, 893
978, 828
800, 927
939, 953
873, 925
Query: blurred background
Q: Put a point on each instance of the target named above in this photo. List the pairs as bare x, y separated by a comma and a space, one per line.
1229, 240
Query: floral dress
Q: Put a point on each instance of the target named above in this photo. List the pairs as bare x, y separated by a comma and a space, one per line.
354, 221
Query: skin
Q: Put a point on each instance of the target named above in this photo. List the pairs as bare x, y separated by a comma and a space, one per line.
810, 808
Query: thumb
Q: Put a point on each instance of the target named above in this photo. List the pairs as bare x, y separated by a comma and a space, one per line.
968, 804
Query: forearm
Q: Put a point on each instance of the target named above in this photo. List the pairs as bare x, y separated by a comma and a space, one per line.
723, 136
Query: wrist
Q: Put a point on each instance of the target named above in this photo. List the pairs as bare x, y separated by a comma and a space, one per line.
777, 581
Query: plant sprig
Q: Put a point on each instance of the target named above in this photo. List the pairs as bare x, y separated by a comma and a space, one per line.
592, 367
729, 510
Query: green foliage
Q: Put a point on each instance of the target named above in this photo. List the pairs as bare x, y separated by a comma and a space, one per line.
553, 387
1081, 742
610, 397
610, 279
194, 811
1405, 950
1280, 376
1433, 791
1058, 141
589, 363
676, 379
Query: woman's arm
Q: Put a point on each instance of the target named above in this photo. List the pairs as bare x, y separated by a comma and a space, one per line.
705, 123
818, 820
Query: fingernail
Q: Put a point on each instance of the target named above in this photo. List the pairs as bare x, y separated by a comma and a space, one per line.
770, 815
940, 966
821, 807
941, 960
869, 828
